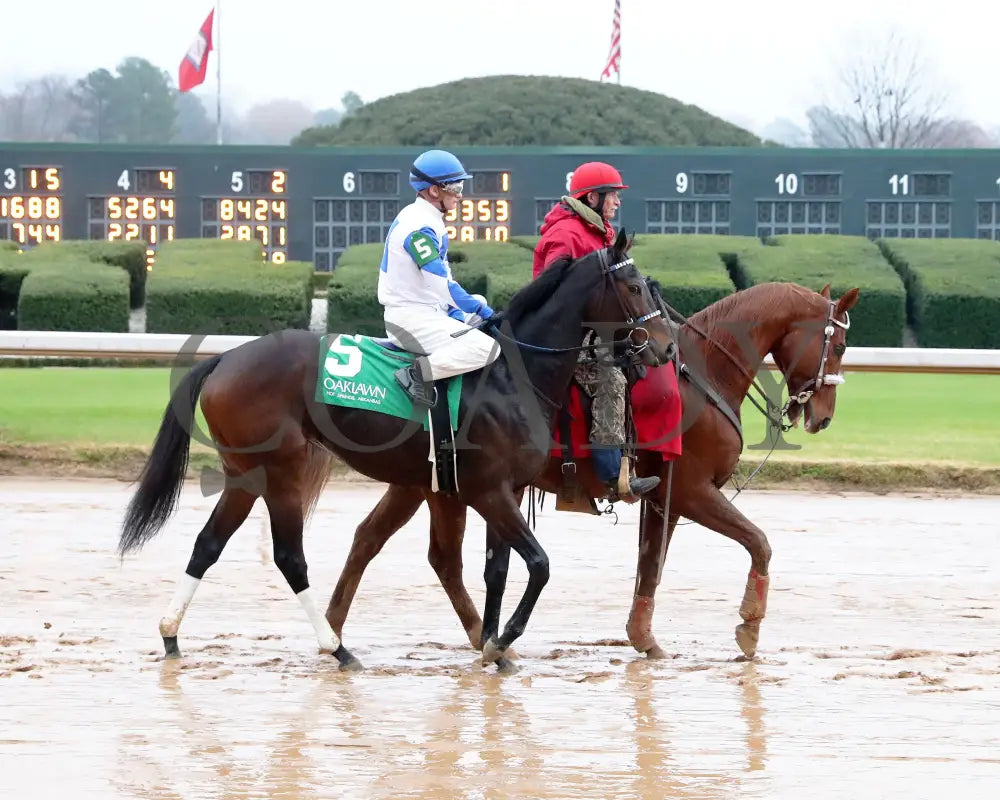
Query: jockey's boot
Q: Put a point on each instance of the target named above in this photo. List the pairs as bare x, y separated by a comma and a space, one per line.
639, 486
636, 487
420, 391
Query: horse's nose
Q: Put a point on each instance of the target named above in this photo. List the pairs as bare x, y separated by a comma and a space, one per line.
824, 424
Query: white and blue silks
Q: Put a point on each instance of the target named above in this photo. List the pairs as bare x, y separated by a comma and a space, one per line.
424, 304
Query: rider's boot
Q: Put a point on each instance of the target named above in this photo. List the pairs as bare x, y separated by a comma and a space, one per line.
412, 380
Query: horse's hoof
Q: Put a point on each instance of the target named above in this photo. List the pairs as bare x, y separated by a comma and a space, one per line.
492, 651
747, 635
348, 661
507, 667
170, 647
655, 653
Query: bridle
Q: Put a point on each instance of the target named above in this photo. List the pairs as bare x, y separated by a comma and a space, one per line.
635, 323
813, 385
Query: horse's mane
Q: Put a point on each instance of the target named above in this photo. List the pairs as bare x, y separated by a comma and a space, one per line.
529, 297
769, 297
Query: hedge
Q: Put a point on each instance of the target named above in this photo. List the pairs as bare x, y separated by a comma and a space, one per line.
91, 298
692, 269
211, 286
493, 269
842, 261
953, 289
67, 286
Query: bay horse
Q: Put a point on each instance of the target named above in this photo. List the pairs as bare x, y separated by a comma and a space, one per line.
722, 348
276, 440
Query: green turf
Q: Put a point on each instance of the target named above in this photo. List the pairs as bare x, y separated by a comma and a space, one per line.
879, 417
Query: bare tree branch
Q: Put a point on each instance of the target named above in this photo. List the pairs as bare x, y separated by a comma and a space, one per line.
886, 96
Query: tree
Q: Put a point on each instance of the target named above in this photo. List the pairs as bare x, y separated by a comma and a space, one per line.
327, 116
144, 103
351, 102
193, 124
887, 96
275, 122
40, 110
94, 98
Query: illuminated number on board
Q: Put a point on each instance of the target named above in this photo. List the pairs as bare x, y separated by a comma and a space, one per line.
278, 182
787, 184
123, 180
682, 182
998, 183
237, 182
569, 180
900, 184
10, 179
348, 182
52, 179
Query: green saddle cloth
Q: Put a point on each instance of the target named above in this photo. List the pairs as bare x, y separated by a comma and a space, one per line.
356, 371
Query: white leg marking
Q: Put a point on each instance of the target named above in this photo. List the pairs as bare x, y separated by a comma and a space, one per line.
171, 621
328, 640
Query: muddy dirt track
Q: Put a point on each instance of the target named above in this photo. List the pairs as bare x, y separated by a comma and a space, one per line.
878, 672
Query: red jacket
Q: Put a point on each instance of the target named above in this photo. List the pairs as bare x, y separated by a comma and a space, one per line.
566, 233
656, 399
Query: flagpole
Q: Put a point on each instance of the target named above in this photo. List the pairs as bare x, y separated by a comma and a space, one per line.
619, 70
218, 74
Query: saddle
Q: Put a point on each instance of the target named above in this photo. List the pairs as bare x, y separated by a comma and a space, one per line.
367, 383
572, 496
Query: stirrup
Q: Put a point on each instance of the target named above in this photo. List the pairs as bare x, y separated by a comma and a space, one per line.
416, 388
629, 489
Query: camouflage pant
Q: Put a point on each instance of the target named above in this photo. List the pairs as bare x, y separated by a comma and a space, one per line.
605, 384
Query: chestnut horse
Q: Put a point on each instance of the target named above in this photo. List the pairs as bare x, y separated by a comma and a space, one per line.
723, 347
277, 441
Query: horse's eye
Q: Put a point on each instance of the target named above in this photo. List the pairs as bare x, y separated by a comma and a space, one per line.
634, 289
839, 349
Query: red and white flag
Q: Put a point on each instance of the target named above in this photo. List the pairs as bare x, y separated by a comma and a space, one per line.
195, 63
615, 53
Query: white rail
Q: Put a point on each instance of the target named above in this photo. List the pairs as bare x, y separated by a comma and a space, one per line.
166, 346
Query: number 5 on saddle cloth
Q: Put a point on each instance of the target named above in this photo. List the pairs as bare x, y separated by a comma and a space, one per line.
356, 371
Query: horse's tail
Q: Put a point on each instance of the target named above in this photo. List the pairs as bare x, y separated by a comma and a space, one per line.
162, 477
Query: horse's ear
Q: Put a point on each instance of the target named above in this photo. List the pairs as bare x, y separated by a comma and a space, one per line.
631, 241
621, 242
848, 301
826, 291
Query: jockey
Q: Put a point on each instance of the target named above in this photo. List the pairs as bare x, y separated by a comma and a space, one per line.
578, 224
424, 304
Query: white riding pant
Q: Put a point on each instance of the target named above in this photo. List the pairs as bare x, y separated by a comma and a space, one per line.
427, 331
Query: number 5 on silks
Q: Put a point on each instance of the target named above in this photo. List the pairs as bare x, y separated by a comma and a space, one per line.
344, 345
422, 248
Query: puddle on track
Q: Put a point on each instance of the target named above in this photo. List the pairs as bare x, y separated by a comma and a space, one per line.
878, 672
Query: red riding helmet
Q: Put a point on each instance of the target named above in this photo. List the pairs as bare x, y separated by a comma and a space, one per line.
595, 176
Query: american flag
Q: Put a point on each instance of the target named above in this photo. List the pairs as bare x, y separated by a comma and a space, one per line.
615, 53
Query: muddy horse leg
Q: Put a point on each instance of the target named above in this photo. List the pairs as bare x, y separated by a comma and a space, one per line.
653, 544
231, 510
284, 505
506, 529
495, 578
707, 506
444, 553
394, 510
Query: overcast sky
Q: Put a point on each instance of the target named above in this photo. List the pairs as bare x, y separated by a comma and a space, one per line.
750, 62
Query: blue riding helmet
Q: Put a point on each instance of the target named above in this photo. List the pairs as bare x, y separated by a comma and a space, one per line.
436, 168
